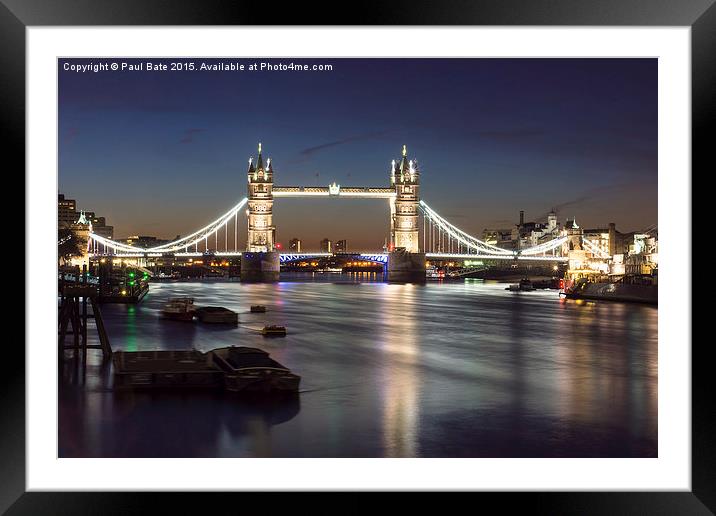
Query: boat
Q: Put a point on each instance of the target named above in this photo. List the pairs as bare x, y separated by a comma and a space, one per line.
258, 308
434, 273
234, 368
634, 289
164, 369
252, 370
216, 315
552, 283
274, 331
525, 285
164, 275
179, 309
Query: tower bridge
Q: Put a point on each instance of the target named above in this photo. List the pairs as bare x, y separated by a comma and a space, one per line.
417, 232
334, 190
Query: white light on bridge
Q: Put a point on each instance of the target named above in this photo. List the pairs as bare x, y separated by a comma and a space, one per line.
497, 257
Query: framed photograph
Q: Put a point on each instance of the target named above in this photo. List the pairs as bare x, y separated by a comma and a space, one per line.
419, 252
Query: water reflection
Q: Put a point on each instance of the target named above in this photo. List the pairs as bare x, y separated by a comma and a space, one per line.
444, 369
400, 377
177, 424
131, 342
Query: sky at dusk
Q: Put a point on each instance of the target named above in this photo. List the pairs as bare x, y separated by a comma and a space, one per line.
165, 152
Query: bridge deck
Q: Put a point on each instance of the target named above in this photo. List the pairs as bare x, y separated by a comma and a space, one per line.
339, 191
380, 257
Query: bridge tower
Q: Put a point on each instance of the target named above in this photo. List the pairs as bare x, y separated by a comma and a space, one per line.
405, 263
405, 178
262, 232
260, 262
574, 234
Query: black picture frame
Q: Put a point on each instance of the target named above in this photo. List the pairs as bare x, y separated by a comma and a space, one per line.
16, 15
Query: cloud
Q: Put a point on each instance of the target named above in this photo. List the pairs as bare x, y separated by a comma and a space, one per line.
310, 151
188, 136
510, 135
592, 194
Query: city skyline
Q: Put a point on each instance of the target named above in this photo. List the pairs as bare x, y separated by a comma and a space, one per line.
492, 137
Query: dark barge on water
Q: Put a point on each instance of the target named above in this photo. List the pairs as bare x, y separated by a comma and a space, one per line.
630, 289
216, 315
234, 368
252, 370
152, 369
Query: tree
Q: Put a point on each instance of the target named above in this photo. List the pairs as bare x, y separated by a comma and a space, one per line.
68, 245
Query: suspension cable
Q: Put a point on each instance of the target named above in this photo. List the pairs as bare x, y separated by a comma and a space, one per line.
182, 243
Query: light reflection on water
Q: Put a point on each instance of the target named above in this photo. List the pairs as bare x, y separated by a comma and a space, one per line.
443, 369
400, 376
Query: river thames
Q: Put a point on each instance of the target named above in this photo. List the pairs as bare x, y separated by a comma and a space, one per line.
453, 369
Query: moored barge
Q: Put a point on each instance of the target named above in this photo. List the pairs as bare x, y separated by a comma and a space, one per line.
253, 370
629, 289
273, 331
216, 315
235, 369
179, 309
152, 369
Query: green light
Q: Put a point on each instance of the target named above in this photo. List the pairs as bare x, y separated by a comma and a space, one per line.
131, 274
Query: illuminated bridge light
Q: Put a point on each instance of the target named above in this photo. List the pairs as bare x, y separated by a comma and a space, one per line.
444, 236
380, 258
289, 257
497, 257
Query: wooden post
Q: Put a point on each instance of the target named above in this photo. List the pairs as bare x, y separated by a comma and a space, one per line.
76, 322
84, 308
101, 330
64, 320
69, 313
